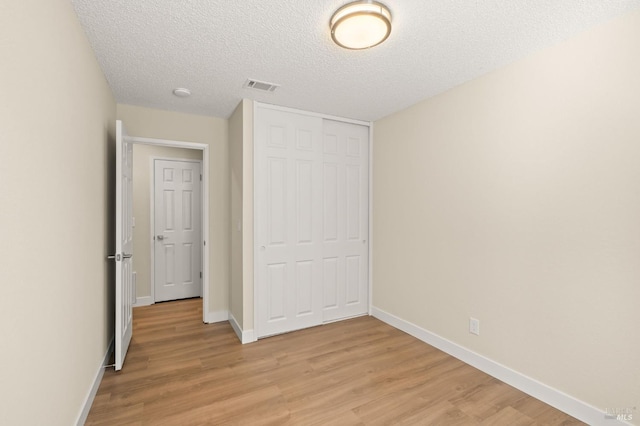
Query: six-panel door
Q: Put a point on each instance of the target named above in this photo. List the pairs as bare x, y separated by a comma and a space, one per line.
289, 222
177, 237
345, 249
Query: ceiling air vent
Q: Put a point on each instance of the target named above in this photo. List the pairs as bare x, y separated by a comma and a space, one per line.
262, 86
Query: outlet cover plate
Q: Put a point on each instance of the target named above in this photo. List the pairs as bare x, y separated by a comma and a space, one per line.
474, 326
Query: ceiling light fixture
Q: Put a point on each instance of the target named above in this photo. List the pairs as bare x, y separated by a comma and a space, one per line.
361, 25
182, 92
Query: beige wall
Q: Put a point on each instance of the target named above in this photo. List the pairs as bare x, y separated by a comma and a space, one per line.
235, 162
158, 124
515, 199
142, 183
241, 161
57, 126
247, 215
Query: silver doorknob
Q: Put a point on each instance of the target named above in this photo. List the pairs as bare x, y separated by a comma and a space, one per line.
263, 248
160, 237
126, 256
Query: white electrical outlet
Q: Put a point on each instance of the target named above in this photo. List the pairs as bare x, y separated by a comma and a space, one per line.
474, 326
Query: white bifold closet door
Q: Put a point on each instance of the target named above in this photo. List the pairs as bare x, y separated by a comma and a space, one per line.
311, 220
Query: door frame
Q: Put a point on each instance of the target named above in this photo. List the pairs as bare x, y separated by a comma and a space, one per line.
205, 206
152, 218
257, 105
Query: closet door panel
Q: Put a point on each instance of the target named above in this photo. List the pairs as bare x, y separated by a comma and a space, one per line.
288, 223
346, 197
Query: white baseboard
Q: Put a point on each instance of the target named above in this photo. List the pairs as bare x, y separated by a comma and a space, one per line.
88, 402
216, 316
558, 399
143, 301
245, 336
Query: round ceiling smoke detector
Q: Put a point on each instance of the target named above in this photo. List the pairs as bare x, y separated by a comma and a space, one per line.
182, 92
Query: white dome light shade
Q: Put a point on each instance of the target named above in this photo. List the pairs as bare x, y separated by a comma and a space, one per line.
361, 25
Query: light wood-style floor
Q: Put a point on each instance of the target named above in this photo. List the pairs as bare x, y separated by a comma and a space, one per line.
180, 371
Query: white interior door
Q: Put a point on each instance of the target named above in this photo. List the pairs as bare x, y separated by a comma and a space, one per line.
345, 211
312, 220
177, 245
124, 244
289, 222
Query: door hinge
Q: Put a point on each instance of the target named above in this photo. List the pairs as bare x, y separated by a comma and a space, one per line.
200, 274
200, 177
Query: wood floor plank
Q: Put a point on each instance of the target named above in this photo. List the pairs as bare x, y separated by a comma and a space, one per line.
180, 371
508, 416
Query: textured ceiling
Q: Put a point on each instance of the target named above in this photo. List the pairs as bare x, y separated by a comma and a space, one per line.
149, 47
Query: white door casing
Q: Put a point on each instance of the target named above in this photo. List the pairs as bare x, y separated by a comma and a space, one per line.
345, 251
124, 245
311, 214
177, 233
